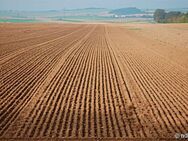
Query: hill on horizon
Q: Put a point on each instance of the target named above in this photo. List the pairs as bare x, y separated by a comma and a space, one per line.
127, 11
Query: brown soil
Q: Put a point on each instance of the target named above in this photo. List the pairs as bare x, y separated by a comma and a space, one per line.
92, 82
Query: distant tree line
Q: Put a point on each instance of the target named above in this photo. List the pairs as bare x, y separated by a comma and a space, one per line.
161, 16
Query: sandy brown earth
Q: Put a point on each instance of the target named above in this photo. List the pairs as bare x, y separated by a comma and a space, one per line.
90, 81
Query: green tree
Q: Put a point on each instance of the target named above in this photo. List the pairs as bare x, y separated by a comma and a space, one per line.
159, 15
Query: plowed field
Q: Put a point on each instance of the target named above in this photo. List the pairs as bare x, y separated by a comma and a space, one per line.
93, 81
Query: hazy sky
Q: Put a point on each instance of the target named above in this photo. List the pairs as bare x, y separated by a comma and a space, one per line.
71, 4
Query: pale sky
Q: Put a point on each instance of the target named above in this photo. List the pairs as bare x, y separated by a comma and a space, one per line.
73, 4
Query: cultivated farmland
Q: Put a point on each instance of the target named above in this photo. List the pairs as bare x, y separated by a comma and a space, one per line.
93, 80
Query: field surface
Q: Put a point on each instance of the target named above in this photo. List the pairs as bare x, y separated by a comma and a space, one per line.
93, 81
